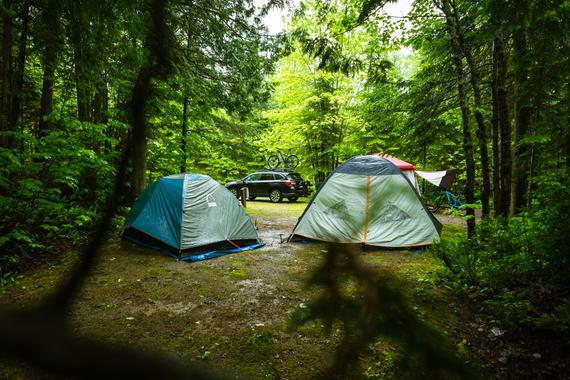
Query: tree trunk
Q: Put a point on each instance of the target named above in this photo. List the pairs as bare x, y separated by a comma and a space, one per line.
504, 123
568, 124
523, 115
495, 140
46, 102
101, 101
159, 63
100, 106
141, 92
19, 74
50, 30
481, 127
6, 70
184, 134
79, 46
462, 98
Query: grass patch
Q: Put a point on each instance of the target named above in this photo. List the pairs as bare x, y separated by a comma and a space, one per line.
257, 353
238, 274
283, 209
453, 230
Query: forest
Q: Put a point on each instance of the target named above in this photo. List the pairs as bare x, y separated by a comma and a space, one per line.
99, 99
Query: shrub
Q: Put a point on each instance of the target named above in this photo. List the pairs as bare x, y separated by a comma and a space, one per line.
517, 266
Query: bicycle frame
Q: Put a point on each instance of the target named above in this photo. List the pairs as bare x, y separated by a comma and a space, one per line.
453, 200
288, 160
448, 199
284, 158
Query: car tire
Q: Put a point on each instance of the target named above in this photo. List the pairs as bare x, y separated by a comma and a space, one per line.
275, 196
234, 191
293, 199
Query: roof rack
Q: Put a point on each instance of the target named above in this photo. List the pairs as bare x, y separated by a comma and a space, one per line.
284, 170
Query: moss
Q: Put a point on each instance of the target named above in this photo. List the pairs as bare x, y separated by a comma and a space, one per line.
238, 274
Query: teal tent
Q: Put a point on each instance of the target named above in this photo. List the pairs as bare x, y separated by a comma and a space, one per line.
191, 217
368, 200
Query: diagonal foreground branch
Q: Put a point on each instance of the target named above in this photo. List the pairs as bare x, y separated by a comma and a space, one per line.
40, 335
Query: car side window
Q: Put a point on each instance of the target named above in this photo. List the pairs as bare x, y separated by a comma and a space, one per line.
267, 177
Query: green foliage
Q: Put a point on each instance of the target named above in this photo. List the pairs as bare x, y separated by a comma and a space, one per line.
310, 115
81, 65
517, 266
52, 195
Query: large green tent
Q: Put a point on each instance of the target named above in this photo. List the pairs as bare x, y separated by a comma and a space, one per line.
191, 217
368, 200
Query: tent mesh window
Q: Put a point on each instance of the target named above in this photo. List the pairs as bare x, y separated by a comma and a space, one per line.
338, 209
394, 214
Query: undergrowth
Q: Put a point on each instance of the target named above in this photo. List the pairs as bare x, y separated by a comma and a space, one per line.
517, 268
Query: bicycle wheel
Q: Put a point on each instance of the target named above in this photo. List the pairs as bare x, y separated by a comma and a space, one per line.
292, 161
273, 161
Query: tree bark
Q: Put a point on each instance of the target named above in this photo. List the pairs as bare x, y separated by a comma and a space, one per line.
46, 102
159, 63
101, 107
141, 93
101, 101
6, 70
79, 47
566, 49
184, 134
50, 25
462, 98
481, 127
20, 67
185, 104
495, 140
523, 116
504, 122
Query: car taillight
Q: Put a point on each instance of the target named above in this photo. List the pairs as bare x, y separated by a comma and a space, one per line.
289, 183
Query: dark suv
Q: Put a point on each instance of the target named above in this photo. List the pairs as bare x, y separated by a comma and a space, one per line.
275, 184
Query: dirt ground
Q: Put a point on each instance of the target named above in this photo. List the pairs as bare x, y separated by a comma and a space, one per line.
231, 313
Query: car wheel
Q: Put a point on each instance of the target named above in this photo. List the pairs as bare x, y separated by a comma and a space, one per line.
293, 199
275, 196
234, 192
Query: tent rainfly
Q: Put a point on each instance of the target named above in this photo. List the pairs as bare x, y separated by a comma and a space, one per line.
367, 200
408, 169
190, 217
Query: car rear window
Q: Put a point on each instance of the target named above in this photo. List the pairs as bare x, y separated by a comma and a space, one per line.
293, 176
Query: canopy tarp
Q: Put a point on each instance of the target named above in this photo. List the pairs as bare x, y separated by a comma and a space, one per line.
441, 178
